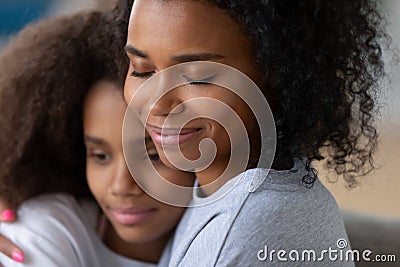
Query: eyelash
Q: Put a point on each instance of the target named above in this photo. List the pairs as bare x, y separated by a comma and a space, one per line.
199, 82
189, 80
101, 158
141, 74
154, 157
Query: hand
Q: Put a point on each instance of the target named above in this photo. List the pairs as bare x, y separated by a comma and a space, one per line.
6, 246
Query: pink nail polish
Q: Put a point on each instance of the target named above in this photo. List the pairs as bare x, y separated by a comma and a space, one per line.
7, 215
18, 256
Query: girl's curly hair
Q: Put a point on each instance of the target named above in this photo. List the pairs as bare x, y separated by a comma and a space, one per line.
45, 73
322, 60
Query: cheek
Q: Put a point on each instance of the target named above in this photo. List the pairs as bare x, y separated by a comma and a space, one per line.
97, 185
130, 87
128, 91
241, 109
231, 109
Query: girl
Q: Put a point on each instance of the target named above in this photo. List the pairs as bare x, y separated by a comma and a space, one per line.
58, 229
317, 63
137, 227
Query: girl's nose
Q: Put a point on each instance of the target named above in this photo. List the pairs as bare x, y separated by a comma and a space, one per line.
123, 184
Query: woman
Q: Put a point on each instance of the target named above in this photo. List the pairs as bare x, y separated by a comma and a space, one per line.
317, 64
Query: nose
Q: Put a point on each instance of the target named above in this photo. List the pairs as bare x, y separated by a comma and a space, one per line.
164, 97
168, 104
123, 184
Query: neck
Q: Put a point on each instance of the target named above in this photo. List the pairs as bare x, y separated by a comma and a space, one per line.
280, 164
214, 177
147, 252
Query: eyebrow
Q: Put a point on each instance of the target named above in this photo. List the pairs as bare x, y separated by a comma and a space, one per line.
95, 140
195, 57
178, 58
136, 52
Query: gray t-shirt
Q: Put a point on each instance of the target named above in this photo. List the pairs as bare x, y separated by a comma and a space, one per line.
258, 213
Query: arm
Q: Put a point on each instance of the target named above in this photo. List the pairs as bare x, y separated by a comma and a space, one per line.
50, 233
40, 250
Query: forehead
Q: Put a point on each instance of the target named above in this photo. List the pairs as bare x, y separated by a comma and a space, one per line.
181, 21
104, 99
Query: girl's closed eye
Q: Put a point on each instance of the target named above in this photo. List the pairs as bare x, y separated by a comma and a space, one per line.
99, 156
153, 155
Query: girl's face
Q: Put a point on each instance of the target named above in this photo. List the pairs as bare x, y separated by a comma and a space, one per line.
165, 33
135, 216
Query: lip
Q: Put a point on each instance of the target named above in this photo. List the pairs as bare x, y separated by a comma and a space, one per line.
171, 136
132, 216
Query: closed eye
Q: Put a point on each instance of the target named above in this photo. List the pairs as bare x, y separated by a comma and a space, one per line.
152, 154
198, 81
142, 74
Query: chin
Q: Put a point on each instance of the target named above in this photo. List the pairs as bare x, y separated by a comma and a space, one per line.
135, 236
172, 154
189, 150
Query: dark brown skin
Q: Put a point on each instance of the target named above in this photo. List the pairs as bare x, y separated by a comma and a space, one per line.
322, 62
185, 30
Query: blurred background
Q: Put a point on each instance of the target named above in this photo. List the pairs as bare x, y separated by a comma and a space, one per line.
379, 193
14, 14
372, 208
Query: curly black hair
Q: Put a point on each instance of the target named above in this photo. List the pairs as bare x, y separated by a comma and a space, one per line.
45, 73
323, 61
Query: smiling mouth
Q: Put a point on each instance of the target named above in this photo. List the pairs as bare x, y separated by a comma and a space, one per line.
172, 136
132, 217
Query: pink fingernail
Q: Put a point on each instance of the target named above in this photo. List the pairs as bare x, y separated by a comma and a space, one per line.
7, 215
18, 256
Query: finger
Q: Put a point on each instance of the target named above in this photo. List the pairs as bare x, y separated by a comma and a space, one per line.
11, 250
7, 212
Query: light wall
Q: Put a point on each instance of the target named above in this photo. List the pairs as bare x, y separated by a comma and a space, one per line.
379, 193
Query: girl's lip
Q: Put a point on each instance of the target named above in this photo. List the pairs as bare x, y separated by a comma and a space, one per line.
171, 136
131, 216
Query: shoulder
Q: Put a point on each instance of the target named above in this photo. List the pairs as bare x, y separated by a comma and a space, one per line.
62, 207
283, 215
282, 203
292, 212
54, 212
282, 193
51, 229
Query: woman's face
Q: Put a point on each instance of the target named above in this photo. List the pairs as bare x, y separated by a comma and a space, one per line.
165, 33
136, 217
